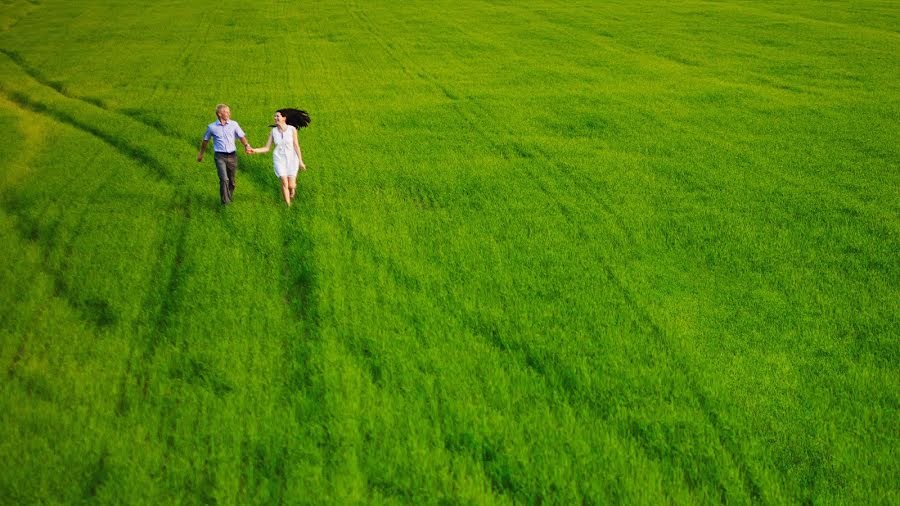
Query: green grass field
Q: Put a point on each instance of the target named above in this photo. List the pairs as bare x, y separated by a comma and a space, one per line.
545, 252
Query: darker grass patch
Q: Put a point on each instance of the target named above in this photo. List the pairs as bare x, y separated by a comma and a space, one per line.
682, 444
96, 311
499, 468
123, 404
33, 72
515, 151
448, 92
264, 469
95, 102
299, 283
97, 476
545, 363
150, 121
360, 243
657, 335
419, 193
579, 125
166, 298
99, 312
143, 117
198, 372
363, 348
37, 385
14, 363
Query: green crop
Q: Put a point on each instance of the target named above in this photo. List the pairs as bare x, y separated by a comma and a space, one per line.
545, 252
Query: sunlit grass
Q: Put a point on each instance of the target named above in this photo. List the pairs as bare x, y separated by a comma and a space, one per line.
621, 252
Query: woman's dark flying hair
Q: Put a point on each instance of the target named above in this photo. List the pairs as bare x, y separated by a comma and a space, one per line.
295, 117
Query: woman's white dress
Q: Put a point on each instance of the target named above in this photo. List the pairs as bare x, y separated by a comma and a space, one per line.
287, 163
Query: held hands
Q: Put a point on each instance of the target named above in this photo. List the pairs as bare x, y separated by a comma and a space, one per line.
250, 150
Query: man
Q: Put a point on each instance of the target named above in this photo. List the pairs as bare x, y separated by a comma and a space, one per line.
224, 132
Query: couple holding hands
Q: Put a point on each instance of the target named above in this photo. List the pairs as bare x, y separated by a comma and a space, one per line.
286, 156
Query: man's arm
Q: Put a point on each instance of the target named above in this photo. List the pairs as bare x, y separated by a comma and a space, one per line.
202, 150
247, 148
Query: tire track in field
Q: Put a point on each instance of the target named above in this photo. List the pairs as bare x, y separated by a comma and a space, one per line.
473, 117
37, 76
159, 319
562, 380
566, 383
300, 286
530, 358
359, 347
181, 205
161, 299
655, 330
801, 186
184, 56
28, 238
800, 183
492, 138
98, 313
484, 452
164, 299
129, 150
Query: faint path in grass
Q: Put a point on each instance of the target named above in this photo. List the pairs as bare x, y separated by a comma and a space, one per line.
136, 152
299, 292
560, 379
164, 299
797, 185
59, 88
45, 237
98, 313
573, 185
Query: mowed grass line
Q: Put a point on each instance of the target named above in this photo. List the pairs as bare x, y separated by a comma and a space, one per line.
634, 304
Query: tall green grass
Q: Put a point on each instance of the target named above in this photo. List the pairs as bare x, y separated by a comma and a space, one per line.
595, 252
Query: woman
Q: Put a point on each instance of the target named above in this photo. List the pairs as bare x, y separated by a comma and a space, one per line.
286, 157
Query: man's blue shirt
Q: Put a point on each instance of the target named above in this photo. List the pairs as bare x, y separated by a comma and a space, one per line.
223, 135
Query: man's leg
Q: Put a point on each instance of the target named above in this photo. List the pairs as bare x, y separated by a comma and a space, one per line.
232, 173
224, 182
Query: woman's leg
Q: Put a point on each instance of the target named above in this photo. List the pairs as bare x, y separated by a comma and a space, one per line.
292, 185
285, 190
